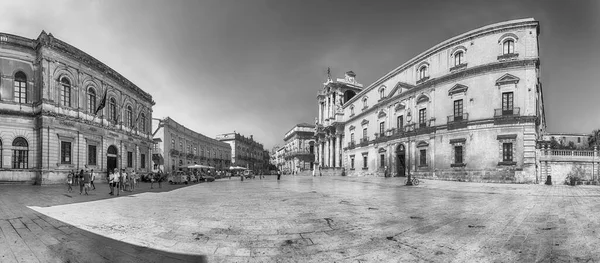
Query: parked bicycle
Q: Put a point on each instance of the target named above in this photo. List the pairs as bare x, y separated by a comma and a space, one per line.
414, 180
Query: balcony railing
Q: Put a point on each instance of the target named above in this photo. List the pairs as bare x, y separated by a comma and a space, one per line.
364, 141
458, 118
507, 112
351, 145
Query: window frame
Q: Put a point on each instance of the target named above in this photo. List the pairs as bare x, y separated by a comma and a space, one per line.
459, 57
508, 46
365, 133
91, 100
65, 92
507, 152
20, 158
112, 110
20, 87
423, 72
66, 153
381, 160
422, 157
93, 154
423, 117
458, 109
400, 122
129, 159
508, 103
458, 155
142, 161
382, 128
365, 161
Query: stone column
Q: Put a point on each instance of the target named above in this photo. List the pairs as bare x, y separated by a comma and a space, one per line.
322, 154
320, 112
339, 151
328, 152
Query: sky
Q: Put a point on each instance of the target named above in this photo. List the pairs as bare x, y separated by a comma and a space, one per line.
255, 67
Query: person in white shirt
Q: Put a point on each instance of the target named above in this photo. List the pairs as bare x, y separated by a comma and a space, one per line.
111, 182
117, 181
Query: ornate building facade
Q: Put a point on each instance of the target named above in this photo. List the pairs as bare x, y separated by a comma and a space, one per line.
50, 93
179, 147
299, 148
245, 151
470, 108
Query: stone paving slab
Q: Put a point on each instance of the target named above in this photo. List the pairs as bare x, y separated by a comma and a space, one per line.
305, 219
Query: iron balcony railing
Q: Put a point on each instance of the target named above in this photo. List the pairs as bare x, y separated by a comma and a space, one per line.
351, 144
458, 118
507, 112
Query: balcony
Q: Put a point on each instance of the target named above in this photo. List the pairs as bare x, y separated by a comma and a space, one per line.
174, 152
297, 153
509, 56
422, 80
351, 145
507, 112
380, 137
459, 66
364, 141
457, 121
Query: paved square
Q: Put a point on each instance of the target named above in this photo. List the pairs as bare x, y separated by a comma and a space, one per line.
344, 219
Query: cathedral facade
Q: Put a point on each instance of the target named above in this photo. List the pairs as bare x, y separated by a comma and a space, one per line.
62, 110
468, 109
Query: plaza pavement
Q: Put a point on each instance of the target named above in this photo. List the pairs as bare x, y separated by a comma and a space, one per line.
304, 219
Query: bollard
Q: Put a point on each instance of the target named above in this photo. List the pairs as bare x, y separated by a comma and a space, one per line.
549, 180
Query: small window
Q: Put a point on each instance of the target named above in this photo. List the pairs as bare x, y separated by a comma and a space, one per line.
508, 47
143, 161
578, 139
400, 122
352, 110
91, 100
507, 152
351, 162
458, 110
129, 115
382, 128
172, 143
423, 72
381, 93
458, 154
352, 137
364, 161
92, 155
20, 85
66, 92
422, 117
365, 133
507, 103
65, 152
129, 159
423, 158
382, 160
143, 123
112, 110
459, 58
365, 103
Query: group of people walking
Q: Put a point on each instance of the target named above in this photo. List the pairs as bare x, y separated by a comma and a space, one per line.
122, 181
85, 180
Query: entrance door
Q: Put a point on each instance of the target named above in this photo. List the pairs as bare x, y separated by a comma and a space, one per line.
111, 159
400, 161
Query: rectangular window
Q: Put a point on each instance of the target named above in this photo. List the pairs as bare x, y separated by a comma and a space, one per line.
20, 91
364, 133
129, 159
422, 116
458, 110
352, 137
382, 128
65, 152
143, 161
458, 154
66, 96
364, 161
423, 158
578, 139
400, 123
507, 152
92, 155
352, 163
20, 159
382, 160
507, 103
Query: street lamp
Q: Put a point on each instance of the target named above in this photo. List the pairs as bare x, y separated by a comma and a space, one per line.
408, 119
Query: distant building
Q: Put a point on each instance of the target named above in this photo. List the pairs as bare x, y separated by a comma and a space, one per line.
299, 148
245, 151
178, 147
579, 140
49, 94
470, 108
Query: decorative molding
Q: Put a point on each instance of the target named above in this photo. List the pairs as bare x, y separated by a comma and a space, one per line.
399, 106
352, 127
508, 35
422, 98
364, 122
422, 144
458, 88
460, 140
381, 114
507, 137
382, 150
507, 79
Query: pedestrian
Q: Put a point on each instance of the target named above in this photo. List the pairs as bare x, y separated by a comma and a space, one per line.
86, 181
80, 178
75, 178
111, 182
278, 175
152, 179
70, 181
122, 180
117, 181
133, 180
385, 172
93, 176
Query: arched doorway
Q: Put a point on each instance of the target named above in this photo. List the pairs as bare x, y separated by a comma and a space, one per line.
111, 159
400, 161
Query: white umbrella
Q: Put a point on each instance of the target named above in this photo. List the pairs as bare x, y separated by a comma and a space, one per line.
237, 168
199, 166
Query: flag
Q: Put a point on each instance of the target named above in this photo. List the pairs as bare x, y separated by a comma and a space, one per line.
102, 103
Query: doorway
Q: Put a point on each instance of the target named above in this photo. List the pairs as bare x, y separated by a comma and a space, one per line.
111, 159
400, 161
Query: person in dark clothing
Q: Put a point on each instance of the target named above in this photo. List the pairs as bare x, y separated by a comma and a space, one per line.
92, 177
81, 184
278, 175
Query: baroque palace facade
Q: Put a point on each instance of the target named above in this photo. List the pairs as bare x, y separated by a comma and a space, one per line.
470, 108
245, 151
49, 94
178, 147
299, 149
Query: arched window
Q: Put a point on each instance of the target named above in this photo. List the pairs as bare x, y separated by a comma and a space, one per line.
143, 123
365, 102
129, 115
91, 100
20, 87
382, 93
459, 58
508, 46
20, 153
65, 92
112, 110
423, 72
352, 110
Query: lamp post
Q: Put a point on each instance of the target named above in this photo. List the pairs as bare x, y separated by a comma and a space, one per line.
408, 119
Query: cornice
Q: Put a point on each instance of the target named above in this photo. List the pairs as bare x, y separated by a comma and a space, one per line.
492, 67
476, 33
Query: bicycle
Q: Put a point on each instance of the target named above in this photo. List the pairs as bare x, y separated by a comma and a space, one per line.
414, 180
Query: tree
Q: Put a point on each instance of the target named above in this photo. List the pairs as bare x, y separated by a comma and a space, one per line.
594, 139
